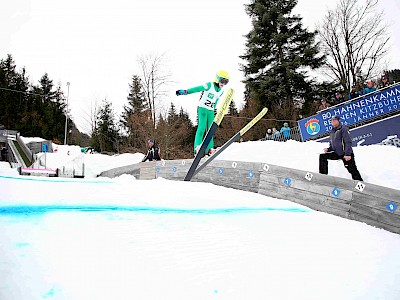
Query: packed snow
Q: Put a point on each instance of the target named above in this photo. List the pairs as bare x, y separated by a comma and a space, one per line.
121, 238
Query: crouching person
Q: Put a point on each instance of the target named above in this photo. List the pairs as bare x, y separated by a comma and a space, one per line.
339, 148
154, 151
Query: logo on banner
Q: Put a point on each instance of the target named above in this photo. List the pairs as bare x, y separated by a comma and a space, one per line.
313, 126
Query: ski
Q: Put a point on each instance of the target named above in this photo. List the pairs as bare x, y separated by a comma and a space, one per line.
223, 108
233, 139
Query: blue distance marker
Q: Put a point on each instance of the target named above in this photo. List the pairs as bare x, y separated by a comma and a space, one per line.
174, 169
250, 174
391, 206
221, 171
335, 192
158, 170
287, 181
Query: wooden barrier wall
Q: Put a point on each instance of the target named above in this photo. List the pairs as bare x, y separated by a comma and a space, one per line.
354, 200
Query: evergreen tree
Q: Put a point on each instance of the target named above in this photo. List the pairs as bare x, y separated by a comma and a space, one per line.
176, 133
278, 53
188, 128
394, 75
57, 112
184, 117
45, 105
33, 110
135, 115
13, 97
106, 136
232, 110
136, 100
172, 115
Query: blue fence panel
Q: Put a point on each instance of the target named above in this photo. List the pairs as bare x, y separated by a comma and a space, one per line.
385, 131
352, 112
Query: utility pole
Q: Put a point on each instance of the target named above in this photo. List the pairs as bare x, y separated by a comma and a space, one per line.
66, 117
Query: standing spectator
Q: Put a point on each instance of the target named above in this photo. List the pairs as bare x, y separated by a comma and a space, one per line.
384, 81
339, 148
210, 94
338, 99
324, 105
4, 154
354, 93
370, 88
275, 134
153, 152
268, 135
285, 130
89, 150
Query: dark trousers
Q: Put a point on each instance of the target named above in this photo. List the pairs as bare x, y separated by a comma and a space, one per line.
350, 165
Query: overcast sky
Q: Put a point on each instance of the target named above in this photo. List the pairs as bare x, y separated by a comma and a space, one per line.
94, 44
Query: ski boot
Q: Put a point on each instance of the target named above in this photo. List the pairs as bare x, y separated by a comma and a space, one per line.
211, 151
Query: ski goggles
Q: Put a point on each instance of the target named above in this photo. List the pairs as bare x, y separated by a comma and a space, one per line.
222, 80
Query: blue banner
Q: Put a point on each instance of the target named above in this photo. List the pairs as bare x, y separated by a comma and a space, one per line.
385, 132
352, 112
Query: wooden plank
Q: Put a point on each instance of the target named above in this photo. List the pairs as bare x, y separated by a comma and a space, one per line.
129, 169
381, 192
232, 174
240, 187
176, 176
368, 206
241, 165
147, 173
285, 172
310, 204
221, 170
361, 213
234, 181
375, 202
227, 183
241, 183
147, 170
305, 185
235, 175
376, 214
269, 179
173, 169
342, 183
307, 196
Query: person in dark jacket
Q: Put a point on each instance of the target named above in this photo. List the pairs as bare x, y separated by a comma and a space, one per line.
354, 93
384, 81
339, 148
338, 99
153, 152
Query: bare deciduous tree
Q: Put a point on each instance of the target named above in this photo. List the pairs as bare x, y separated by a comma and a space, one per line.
89, 116
155, 79
354, 39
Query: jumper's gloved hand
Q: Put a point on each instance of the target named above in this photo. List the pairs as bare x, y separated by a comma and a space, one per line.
181, 92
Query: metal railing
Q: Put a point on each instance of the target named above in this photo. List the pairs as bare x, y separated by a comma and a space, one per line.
278, 136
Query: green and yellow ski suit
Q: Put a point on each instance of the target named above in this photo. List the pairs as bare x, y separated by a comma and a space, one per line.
210, 94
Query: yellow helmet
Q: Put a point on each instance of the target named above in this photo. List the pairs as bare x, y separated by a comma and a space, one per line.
222, 77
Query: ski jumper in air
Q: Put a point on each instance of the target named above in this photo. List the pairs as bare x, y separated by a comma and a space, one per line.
211, 92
